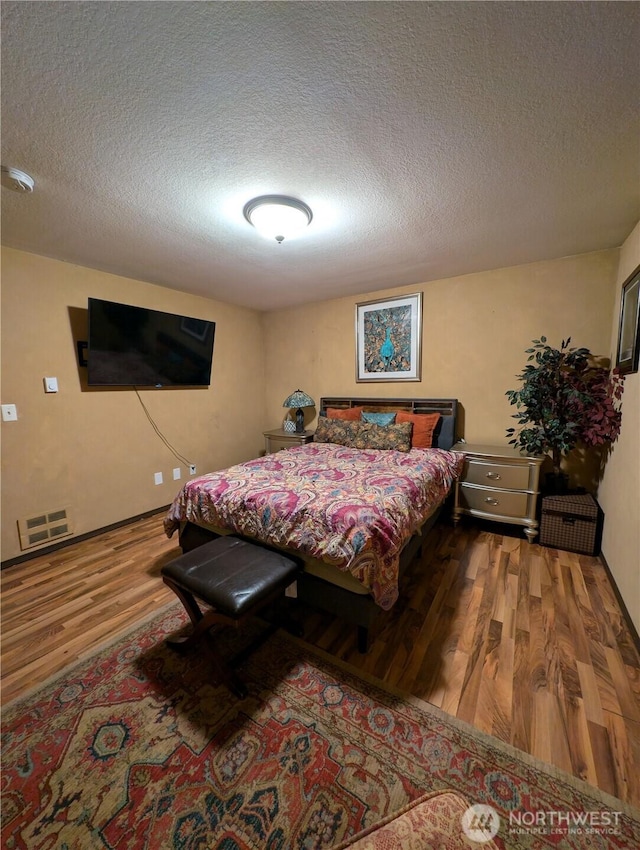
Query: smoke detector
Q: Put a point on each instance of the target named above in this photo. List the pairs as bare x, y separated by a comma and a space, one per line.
18, 181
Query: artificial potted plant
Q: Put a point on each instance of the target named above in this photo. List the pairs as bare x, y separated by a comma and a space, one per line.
566, 399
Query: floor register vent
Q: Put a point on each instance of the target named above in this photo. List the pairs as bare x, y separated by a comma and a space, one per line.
44, 528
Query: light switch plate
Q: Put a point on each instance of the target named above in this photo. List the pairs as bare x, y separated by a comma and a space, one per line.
9, 413
50, 385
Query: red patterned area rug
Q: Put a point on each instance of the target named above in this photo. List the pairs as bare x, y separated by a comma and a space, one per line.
135, 748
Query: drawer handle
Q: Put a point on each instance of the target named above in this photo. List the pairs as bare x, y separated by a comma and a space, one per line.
494, 476
492, 501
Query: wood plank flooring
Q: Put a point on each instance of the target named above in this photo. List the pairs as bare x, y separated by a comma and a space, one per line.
526, 643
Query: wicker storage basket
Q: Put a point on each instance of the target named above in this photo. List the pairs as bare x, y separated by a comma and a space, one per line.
572, 522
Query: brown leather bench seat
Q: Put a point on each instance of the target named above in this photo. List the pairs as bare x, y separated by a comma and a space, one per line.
237, 579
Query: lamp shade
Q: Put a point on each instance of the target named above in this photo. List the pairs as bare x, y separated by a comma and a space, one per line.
298, 399
278, 216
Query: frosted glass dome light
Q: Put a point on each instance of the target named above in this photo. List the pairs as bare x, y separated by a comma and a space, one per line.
277, 216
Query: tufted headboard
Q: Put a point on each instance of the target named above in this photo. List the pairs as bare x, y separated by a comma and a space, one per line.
444, 435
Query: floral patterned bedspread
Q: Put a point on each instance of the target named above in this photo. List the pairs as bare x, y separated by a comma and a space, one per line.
352, 508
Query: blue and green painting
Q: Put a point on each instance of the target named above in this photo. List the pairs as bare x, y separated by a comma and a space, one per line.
387, 340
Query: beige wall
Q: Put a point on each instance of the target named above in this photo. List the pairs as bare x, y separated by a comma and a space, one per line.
475, 331
94, 449
619, 493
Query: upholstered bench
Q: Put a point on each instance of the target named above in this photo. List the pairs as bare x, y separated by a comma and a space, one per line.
237, 579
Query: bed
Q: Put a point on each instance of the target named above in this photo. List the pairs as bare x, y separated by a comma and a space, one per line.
356, 515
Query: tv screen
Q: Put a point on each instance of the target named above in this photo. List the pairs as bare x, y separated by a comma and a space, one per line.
134, 346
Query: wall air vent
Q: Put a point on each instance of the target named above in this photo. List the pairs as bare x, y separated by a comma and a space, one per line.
44, 527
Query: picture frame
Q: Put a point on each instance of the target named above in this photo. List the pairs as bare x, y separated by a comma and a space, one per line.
197, 328
629, 327
389, 339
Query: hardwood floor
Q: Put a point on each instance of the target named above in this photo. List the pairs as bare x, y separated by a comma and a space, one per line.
525, 643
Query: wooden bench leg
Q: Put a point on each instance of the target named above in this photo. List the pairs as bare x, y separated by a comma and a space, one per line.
202, 623
223, 672
188, 600
363, 639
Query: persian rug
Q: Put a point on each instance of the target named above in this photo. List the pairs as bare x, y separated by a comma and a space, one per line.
135, 748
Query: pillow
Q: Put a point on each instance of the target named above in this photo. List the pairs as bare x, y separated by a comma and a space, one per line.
364, 435
351, 413
379, 418
424, 424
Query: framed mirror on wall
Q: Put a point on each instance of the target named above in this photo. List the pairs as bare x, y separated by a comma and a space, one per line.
629, 328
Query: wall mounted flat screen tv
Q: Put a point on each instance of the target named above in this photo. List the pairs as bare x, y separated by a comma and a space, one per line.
135, 346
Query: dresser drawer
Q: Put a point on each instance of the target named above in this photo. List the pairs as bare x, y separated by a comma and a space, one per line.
277, 445
488, 474
496, 502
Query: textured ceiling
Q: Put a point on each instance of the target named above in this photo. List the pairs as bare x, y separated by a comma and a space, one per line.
429, 139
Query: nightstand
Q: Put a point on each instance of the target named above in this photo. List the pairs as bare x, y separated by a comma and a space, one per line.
278, 439
500, 484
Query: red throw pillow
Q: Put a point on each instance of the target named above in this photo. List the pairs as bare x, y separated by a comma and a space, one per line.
351, 414
424, 424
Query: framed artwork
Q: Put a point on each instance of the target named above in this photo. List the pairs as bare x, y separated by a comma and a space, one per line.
389, 339
629, 329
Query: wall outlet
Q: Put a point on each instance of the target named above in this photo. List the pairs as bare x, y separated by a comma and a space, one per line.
177, 473
192, 469
157, 477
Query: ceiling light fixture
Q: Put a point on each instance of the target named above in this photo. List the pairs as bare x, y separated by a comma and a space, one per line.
278, 216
